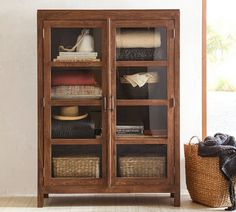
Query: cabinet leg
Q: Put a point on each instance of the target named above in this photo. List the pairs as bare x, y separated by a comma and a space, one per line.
172, 195
177, 199
40, 200
46, 195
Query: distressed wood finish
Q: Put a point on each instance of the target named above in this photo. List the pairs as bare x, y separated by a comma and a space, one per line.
177, 113
109, 182
158, 188
40, 112
76, 141
140, 102
141, 140
80, 102
141, 63
75, 65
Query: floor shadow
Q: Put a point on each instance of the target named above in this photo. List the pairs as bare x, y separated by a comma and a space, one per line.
108, 200
161, 201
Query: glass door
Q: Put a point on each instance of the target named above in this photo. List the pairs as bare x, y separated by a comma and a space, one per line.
142, 102
75, 116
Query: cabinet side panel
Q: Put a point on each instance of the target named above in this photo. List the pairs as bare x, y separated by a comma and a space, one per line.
177, 110
40, 107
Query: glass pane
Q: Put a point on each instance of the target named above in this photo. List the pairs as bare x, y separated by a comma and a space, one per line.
76, 122
141, 121
142, 161
64, 48
76, 83
141, 83
139, 44
77, 161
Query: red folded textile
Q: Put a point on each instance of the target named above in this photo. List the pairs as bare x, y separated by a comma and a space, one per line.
73, 78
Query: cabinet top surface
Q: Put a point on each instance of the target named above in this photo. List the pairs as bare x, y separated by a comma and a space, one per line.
104, 14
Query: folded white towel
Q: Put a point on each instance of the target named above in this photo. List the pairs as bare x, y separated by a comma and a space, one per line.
138, 39
140, 79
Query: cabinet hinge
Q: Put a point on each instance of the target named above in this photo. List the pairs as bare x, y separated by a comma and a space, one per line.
43, 101
173, 33
43, 33
104, 103
43, 172
112, 103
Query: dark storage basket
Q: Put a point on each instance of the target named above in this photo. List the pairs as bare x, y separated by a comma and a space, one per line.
127, 91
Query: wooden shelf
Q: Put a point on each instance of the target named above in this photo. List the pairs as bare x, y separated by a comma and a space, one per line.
138, 181
72, 181
161, 63
140, 102
57, 64
76, 141
141, 140
82, 102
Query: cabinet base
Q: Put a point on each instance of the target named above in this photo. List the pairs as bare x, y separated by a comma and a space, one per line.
40, 199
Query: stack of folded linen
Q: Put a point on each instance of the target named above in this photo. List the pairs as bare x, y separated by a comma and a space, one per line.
140, 79
74, 84
73, 129
69, 123
138, 45
77, 56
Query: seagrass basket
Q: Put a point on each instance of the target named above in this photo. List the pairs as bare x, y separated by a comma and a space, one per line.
142, 166
76, 166
205, 182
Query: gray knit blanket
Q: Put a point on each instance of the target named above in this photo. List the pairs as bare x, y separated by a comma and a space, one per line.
223, 146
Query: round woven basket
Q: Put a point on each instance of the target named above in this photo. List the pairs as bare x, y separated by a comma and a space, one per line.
205, 182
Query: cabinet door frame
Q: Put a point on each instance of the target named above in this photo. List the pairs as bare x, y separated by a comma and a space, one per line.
172, 71
47, 66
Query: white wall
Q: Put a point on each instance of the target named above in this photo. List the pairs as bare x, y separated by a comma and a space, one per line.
18, 120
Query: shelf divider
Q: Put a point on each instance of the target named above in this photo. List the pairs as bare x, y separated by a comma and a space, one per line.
82, 102
161, 63
76, 64
141, 140
76, 141
140, 102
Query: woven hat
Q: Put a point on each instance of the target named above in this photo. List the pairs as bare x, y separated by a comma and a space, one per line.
69, 113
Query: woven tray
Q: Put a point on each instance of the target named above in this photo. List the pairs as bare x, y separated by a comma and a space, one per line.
76, 166
142, 166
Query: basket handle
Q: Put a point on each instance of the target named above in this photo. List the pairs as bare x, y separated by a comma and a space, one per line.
191, 139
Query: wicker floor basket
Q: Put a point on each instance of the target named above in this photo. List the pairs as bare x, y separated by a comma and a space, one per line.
205, 182
76, 166
142, 166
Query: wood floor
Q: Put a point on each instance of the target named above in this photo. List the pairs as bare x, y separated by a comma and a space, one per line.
102, 203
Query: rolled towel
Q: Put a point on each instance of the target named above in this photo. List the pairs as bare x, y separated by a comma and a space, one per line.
138, 39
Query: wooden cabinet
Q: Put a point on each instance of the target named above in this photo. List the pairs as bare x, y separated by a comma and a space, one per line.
108, 110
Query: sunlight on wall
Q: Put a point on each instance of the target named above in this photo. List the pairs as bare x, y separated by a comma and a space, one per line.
221, 67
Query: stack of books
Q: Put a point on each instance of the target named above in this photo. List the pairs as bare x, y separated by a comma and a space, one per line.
77, 56
129, 129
